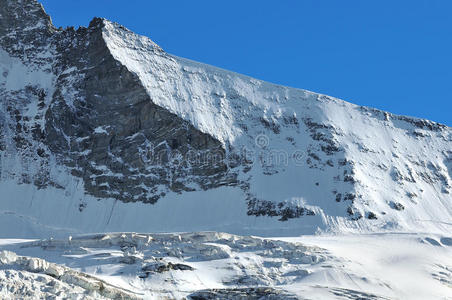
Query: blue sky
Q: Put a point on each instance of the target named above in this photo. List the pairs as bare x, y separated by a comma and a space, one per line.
392, 55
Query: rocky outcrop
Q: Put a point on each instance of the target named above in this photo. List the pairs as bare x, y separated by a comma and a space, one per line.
263, 293
97, 119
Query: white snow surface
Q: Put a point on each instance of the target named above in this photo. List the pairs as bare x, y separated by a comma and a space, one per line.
174, 266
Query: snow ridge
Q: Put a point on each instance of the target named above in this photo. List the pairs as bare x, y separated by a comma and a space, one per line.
392, 163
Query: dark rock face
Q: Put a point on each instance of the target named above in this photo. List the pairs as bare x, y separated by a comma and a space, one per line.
264, 293
161, 267
371, 216
286, 211
25, 29
122, 144
98, 120
397, 206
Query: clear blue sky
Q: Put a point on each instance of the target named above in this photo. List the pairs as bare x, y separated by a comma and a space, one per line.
392, 55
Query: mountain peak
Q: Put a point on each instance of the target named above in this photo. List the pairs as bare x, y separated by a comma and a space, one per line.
123, 121
117, 33
25, 28
22, 15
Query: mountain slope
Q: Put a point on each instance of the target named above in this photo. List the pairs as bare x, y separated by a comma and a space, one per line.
101, 130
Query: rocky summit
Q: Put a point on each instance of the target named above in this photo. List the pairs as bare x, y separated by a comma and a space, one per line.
102, 130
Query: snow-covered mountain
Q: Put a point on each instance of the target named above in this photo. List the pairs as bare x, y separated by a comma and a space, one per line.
102, 130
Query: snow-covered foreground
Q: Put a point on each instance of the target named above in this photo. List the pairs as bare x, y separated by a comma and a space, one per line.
211, 265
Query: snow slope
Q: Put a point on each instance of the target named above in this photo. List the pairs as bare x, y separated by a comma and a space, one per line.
219, 265
394, 160
307, 162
